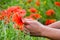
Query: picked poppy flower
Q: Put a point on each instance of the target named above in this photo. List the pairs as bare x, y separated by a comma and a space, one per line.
57, 4
3, 13
50, 12
13, 8
33, 10
18, 20
22, 12
1, 17
49, 21
8, 15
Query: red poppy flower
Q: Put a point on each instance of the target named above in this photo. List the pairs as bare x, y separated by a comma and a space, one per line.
57, 4
1, 17
35, 16
49, 21
29, 17
29, 1
33, 10
13, 9
37, 3
3, 13
50, 12
18, 20
21, 12
8, 15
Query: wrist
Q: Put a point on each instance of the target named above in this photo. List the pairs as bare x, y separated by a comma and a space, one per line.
43, 30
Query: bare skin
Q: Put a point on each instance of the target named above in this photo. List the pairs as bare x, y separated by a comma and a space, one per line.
55, 25
35, 28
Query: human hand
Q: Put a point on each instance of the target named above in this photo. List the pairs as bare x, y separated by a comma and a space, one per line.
32, 26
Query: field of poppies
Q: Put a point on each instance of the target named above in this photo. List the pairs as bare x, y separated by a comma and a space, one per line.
13, 11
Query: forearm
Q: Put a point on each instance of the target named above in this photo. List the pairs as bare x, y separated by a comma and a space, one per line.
55, 25
50, 33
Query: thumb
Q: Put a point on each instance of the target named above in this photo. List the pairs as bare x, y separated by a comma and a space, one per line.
26, 21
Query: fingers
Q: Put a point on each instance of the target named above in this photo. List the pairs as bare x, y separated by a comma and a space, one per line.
29, 27
26, 31
28, 21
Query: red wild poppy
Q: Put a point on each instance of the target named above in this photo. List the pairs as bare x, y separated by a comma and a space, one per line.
49, 21
21, 12
29, 17
3, 13
1, 17
37, 3
18, 20
29, 1
13, 9
57, 4
50, 12
34, 16
33, 10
